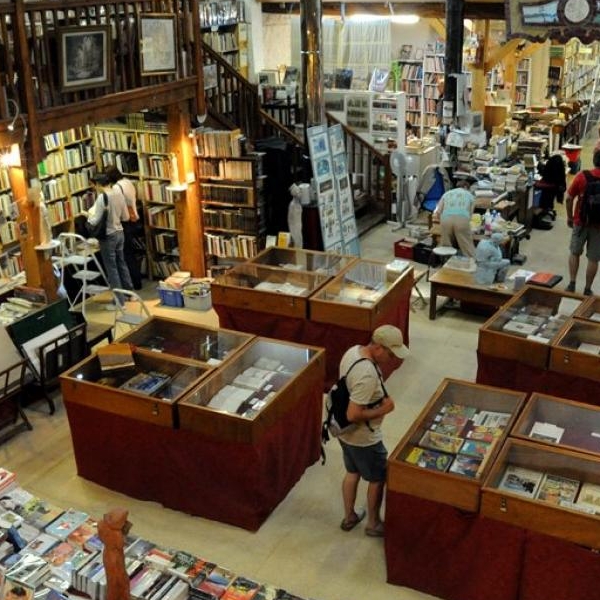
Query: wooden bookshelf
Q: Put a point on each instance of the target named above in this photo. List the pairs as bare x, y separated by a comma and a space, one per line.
10, 250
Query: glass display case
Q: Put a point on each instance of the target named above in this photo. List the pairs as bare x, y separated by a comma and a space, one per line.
449, 449
361, 295
524, 327
186, 340
147, 391
590, 309
576, 351
266, 289
243, 398
297, 259
545, 489
560, 422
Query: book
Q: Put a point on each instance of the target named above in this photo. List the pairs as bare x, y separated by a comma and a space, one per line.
484, 433
241, 589
548, 280
475, 448
429, 459
215, 584
465, 465
41, 544
589, 348
67, 523
546, 432
139, 548
589, 496
15, 590
554, 489
146, 383
520, 480
83, 533
115, 356
10, 519
491, 418
40, 513
441, 442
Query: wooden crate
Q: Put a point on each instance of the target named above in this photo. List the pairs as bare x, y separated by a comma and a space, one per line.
339, 301
537, 515
305, 371
86, 384
580, 423
566, 355
446, 487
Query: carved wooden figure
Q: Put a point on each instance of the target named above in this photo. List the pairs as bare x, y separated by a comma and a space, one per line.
112, 530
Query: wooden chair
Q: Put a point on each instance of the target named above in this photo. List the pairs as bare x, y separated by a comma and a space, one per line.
13, 419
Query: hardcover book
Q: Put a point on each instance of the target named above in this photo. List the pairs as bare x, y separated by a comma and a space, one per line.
429, 459
555, 489
115, 356
520, 480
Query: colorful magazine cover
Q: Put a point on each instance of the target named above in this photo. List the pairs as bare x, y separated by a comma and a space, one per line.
465, 465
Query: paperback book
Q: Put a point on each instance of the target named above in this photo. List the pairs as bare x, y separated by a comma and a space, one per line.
520, 480
546, 432
465, 465
67, 523
215, 584
241, 589
475, 448
589, 496
429, 459
146, 383
443, 443
555, 489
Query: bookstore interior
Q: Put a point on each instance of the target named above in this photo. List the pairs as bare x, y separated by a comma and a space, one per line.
263, 249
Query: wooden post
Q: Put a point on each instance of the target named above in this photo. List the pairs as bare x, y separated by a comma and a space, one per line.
477, 68
187, 205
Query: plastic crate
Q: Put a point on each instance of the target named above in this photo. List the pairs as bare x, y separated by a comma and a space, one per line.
197, 299
403, 248
170, 297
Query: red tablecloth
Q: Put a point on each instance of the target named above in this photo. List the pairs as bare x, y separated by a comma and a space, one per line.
230, 482
512, 374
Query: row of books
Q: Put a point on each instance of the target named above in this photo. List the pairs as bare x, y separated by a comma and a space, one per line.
154, 142
59, 211
126, 162
549, 487
52, 141
50, 554
411, 71
120, 141
11, 263
219, 143
8, 232
155, 166
70, 158
460, 440
434, 64
221, 41
240, 219
236, 246
163, 268
162, 216
151, 190
225, 12
166, 242
227, 194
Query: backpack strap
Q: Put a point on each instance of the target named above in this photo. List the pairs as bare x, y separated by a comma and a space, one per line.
385, 393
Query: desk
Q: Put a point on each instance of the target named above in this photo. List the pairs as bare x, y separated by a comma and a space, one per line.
461, 285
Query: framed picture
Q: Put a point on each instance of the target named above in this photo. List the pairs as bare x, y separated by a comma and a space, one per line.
158, 44
84, 54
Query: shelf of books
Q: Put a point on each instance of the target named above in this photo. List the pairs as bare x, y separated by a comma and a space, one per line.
522, 97
545, 489
224, 29
140, 148
231, 196
411, 83
433, 71
10, 250
65, 175
451, 446
57, 554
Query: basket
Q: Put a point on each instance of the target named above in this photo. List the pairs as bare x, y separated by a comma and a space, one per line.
197, 297
170, 297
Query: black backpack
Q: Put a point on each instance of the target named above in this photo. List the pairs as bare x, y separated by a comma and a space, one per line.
336, 421
590, 203
98, 230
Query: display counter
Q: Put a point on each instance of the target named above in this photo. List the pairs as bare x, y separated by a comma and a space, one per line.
339, 323
298, 259
235, 473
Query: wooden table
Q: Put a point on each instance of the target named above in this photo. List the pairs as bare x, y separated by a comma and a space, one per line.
461, 285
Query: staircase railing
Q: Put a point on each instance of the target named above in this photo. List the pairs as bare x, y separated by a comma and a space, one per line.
371, 177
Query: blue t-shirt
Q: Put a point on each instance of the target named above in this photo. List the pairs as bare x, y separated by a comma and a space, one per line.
457, 203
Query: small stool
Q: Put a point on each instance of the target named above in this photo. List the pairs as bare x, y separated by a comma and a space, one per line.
442, 253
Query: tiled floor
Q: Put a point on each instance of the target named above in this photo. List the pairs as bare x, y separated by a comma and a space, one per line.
300, 547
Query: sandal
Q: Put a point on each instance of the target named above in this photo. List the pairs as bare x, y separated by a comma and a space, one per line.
376, 531
349, 524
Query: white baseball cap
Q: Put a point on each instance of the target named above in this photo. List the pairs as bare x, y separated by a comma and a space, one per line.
391, 338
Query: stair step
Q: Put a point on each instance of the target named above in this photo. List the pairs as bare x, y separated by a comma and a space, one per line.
93, 289
86, 275
75, 259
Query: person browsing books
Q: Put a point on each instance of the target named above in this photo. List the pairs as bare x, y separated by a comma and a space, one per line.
362, 445
454, 211
131, 228
111, 246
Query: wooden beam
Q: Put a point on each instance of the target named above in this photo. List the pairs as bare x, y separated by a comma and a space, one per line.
496, 55
439, 26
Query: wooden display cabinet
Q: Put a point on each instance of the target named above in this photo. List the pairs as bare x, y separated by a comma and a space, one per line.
516, 499
560, 422
531, 344
448, 487
361, 296
577, 350
326, 263
88, 385
266, 289
294, 371
590, 309
186, 340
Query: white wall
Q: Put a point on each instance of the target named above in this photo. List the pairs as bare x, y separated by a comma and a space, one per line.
417, 35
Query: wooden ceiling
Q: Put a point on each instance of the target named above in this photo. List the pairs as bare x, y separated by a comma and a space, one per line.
482, 9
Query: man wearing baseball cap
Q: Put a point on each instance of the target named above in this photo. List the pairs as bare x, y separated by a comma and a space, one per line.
365, 456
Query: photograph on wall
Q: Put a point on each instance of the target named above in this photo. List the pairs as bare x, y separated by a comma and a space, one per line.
318, 145
158, 44
84, 57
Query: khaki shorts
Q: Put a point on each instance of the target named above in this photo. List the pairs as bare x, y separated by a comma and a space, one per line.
586, 236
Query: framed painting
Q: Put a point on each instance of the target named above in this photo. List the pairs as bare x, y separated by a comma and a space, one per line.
84, 57
158, 44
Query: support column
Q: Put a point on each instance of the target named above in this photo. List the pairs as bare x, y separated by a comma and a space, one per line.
455, 10
312, 69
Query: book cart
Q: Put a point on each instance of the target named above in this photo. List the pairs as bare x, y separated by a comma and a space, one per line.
520, 536
339, 307
205, 460
532, 344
